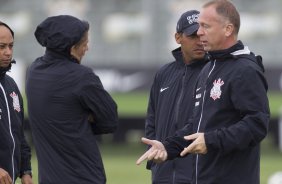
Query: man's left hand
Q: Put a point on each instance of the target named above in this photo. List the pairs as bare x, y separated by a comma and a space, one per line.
198, 146
26, 179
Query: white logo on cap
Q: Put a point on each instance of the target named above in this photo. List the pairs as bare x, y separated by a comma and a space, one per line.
193, 18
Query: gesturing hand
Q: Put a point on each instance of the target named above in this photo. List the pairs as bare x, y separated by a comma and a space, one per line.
198, 146
156, 153
26, 179
5, 177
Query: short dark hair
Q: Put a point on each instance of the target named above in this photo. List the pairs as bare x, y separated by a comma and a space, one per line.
5, 25
226, 9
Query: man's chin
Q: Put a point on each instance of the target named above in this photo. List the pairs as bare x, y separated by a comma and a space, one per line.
207, 48
4, 65
198, 57
199, 53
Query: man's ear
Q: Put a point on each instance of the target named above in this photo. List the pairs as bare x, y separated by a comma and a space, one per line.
229, 30
72, 51
178, 37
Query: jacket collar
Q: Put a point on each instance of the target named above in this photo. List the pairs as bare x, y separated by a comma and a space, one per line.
50, 54
4, 70
245, 50
220, 55
177, 54
236, 51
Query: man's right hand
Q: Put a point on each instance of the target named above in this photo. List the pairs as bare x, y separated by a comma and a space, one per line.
5, 177
156, 153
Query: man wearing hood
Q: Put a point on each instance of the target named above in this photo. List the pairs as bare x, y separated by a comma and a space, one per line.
14, 151
62, 94
231, 113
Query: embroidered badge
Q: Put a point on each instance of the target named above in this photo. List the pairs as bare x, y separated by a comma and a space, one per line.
216, 91
193, 18
16, 102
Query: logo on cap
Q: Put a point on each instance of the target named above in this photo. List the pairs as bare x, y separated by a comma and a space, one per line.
188, 22
193, 18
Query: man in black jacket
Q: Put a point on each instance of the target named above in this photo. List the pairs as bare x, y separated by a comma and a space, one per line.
171, 98
231, 113
67, 105
14, 150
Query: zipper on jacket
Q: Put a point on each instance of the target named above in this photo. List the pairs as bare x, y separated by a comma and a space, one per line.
177, 115
180, 96
10, 129
173, 173
200, 120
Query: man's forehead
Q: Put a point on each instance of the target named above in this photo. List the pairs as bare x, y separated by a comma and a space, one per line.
5, 35
3, 28
5, 41
208, 15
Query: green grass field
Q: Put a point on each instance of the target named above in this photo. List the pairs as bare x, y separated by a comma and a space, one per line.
119, 161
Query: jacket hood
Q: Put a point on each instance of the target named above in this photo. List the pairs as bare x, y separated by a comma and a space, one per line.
60, 33
8, 68
236, 51
226, 53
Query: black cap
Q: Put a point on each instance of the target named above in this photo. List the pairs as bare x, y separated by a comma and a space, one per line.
188, 22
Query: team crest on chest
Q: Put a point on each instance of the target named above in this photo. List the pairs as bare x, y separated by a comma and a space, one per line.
216, 91
16, 102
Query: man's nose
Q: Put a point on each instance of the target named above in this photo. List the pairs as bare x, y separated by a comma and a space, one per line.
200, 32
8, 51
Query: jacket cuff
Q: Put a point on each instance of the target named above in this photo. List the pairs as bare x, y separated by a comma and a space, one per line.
171, 152
174, 146
210, 140
27, 172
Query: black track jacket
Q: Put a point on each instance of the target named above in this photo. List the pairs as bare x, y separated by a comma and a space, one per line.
14, 150
170, 105
61, 95
232, 110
